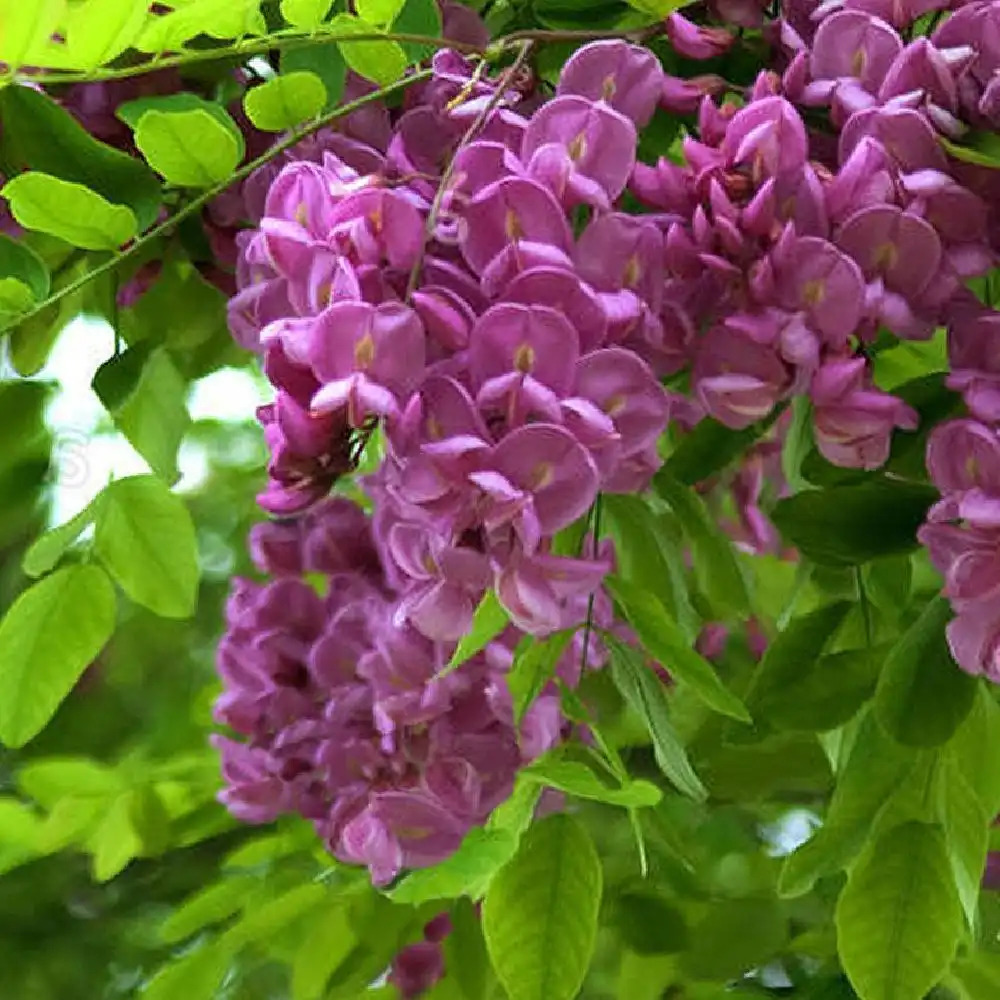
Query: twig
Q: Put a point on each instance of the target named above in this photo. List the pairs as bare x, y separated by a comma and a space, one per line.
473, 130
192, 207
251, 47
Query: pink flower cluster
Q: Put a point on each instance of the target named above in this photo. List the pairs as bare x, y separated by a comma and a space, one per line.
347, 721
512, 367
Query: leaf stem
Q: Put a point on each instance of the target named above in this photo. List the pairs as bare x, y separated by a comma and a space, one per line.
194, 206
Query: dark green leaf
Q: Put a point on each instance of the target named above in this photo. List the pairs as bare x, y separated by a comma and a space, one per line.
664, 641
533, 667
465, 957
211, 905
922, 695
934, 403
734, 937
39, 135
793, 652
645, 695
540, 913
50, 635
19, 261
715, 563
650, 925
875, 768
852, 524
710, 447
899, 916
418, 17
981, 148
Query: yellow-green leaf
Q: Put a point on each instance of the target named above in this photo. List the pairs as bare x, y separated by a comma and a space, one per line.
286, 101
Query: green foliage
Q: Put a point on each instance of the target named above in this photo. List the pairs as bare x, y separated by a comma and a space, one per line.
489, 620
68, 211
922, 697
664, 641
40, 135
380, 62
188, 148
851, 524
540, 913
286, 101
48, 638
674, 864
899, 917
145, 538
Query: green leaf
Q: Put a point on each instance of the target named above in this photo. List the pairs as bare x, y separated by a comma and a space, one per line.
324, 61
798, 442
115, 841
488, 622
49, 548
710, 447
899, 917
26, 27
934, 403
40, 135
69, 211
306, 14
323, 950
576, 778
265, 919
102, 30
211, 905
131, 112
826, 692
715, 562
642, 551
52, 779
381, 62
981, 148
188, 148
875, 768
922, 695
50, 635
381, 13
196, 976
792, 652
533, 667
145, 538
222, 19
419, 17
664, 641
285, 101
644, 693
966, 824
976, 748
465, 956
468, 871
540, 913
733, 937
887, 583
21, 262
15, 300
852, 524
147, 399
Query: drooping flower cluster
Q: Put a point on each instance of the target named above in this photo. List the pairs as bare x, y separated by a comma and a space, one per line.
514, 366
513, 369
347, 721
